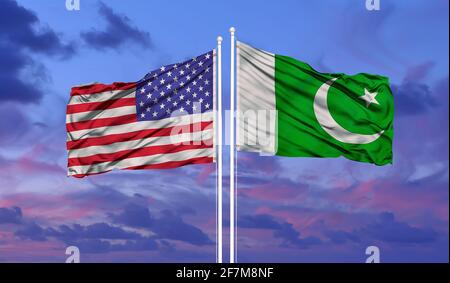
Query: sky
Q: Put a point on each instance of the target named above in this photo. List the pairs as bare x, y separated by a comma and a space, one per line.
288, 209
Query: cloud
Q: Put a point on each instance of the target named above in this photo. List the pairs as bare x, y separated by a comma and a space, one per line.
168, 226
10, 132
102, 237
118, 32
419, 72
12, 86
94, 238
253, 163
20, 36
291, 237
399, 194
102, 246
259, 221
365, 40
285, 231
10, 215
341, 237
129, 225
19, 27
32, 231
134, 216
286, 190
171, 226
94, 231
412, 98
386, 228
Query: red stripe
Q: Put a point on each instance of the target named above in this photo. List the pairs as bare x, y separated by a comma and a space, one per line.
102, 105
138, 152
102, 122
165, 165
137, 135
174, 164
97, 88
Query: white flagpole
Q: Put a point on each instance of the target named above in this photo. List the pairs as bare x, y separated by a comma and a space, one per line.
232, 152
219, 149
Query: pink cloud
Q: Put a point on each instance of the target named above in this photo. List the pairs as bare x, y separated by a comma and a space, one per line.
205, 172
390, 195
50, 207
276, 192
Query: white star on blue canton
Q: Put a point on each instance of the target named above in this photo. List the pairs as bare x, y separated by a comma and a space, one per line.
185, 88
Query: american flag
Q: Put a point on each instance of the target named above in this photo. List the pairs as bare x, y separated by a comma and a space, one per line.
165, 120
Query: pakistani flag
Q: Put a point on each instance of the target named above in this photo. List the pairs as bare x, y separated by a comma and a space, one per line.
285, 107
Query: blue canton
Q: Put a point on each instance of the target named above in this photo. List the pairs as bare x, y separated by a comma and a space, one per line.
176, 89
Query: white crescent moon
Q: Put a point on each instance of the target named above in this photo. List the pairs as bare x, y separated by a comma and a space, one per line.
330, 126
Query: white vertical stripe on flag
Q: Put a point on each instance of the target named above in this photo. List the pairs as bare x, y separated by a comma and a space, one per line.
255, 94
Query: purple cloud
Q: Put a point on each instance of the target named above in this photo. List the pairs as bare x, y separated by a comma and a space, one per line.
19, 38
384, 228
118, 32
168, 226
412, 96
387, 229
32, 231
10, 215
93, 231
281, 229
18, 28
134, 216
341, 237
94, 238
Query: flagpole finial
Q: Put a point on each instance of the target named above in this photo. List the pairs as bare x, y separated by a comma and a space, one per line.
219, 40
232, 30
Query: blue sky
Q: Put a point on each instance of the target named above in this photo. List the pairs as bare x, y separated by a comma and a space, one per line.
289, 209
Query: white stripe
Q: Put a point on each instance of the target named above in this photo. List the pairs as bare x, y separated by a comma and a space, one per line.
214, 102
140, 125
102, 96
256, 104
134, 144
99, 114
143, 160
